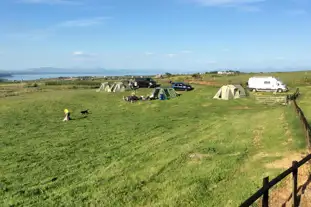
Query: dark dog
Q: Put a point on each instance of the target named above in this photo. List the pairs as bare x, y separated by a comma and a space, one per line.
85, 112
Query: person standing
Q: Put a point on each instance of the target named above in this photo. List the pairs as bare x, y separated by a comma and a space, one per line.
67, 115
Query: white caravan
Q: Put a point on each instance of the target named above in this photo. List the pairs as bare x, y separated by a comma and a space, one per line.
266, 84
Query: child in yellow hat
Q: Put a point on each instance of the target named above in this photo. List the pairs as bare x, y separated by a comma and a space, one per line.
67, 115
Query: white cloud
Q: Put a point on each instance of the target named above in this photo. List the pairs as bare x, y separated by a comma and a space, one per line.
51, 2
83, 22
226, 2
149, 53
241, 5
83, 54
77, 53
171, 55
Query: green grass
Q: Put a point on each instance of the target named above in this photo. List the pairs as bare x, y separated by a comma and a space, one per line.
188, 151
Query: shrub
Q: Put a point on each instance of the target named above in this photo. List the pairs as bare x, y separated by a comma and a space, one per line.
76, 82
196, 76
53, 83
31, 85
168, 74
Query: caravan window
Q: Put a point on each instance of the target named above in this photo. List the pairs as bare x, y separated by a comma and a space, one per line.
267, 82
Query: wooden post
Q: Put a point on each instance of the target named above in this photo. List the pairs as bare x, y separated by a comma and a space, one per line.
265, 197
295, 106
308, 136
295, 180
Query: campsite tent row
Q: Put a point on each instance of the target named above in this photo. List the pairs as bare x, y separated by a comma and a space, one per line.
112, 87
121, 87
226, 92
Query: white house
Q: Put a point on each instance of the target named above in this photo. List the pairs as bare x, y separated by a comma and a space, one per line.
225, 72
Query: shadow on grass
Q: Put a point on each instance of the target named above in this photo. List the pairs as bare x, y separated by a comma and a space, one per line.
79, 118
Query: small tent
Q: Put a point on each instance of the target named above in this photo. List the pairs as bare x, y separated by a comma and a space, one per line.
227, 92
104, 87
114, 87
168, 93
118, 87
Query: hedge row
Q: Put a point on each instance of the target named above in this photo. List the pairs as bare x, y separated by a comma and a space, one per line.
78, 82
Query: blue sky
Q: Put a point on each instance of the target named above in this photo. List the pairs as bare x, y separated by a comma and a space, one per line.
155, 34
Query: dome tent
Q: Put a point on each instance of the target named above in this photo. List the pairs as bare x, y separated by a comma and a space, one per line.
228, 92
167, 92
104, 87
113, 87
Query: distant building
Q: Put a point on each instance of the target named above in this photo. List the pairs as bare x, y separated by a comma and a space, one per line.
225, 72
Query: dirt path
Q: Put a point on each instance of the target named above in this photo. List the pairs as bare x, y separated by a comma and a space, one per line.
288, 132
257, 136
282, 196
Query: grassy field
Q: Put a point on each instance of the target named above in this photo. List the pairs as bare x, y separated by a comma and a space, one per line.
188, 151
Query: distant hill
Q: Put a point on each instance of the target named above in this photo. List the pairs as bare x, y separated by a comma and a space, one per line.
99, 71
5, 74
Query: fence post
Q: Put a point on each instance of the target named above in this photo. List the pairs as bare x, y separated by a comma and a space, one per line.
265, 197
309, 139
296, 108
295, 180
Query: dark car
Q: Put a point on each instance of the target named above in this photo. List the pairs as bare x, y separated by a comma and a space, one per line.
145, 83
182, 86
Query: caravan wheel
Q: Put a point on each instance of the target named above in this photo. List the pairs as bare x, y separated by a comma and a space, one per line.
254, 90
279, 90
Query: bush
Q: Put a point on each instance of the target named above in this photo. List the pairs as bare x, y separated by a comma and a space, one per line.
168, 74
215, 76
53, 83
196, 76
87, 83
93, 84
31, 85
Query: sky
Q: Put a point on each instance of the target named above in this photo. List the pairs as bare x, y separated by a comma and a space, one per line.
182, 35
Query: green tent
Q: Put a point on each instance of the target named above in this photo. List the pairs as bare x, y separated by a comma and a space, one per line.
168, 93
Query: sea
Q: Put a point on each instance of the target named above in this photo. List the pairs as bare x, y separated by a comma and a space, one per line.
28, 77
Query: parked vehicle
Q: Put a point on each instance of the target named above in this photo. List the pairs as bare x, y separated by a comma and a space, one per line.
145, 83
180, 86
268, 83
